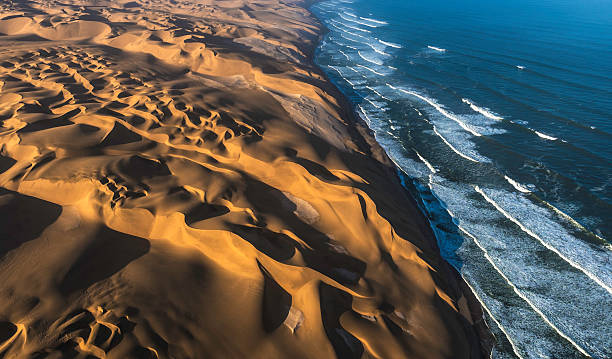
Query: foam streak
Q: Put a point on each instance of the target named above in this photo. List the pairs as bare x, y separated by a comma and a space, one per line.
545, 244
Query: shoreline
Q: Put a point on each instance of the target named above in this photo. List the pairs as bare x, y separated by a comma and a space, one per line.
486, 337
180, 179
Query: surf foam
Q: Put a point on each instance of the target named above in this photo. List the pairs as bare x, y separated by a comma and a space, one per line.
481, 110
436, 48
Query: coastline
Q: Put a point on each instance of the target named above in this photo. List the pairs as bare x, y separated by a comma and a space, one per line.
486, 338
427, 109
148, 174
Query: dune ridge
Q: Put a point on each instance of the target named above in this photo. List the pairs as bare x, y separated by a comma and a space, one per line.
178, 180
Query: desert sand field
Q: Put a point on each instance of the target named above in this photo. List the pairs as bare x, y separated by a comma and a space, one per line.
179, 180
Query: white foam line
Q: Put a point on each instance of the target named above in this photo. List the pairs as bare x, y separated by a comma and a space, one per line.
353, 40
357, 28
551, 248
490, 260
436, 48
544, 136
341, 75
350, 26
519, 187
345, 55
374, 20
390, 44
484, 306
371, 70
378, 93
481, 110
372, 103
378, 51
351, 47
369, 60
357, 72
364, 114
431, 168
391, 134
354, 34
571, 220
521, 295
453, 148
439, 108
357, 21
337, 27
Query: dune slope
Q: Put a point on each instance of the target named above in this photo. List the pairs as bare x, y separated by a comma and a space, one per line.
178, 180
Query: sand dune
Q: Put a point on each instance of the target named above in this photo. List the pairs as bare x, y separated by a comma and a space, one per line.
177, 180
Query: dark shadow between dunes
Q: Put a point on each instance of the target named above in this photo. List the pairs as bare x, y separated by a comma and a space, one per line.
108, 253
23, 218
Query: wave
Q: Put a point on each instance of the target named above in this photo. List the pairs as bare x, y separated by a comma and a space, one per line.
431, 168
349, 39
367, 119
439, 108
544, 136
378, 93
481, 110
484, 306
357, 21
378, 50
352, 69
542, 242
436, 48
390, 44
346, 31
349, 26
345, 55
519, 187
374, 61
374, 20
452, 147
341, 75
374, 104
571, 220
515, 289
356, 28
354, 34
371, 70
337, 27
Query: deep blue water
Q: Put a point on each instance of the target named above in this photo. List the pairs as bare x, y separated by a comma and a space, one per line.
499, 114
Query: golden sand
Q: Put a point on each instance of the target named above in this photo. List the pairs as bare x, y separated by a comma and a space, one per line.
178, 180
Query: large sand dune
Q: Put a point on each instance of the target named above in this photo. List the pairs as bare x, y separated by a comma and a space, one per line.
177, 180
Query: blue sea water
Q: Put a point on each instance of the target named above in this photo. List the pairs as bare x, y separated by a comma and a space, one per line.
499, 116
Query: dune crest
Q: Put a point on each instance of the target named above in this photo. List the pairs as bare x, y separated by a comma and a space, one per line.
178, 180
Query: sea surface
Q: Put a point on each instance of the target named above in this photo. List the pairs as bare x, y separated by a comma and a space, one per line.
499, 116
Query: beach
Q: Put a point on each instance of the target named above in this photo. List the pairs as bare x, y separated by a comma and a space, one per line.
178, 179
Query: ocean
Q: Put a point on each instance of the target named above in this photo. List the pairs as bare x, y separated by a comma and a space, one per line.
498, 115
